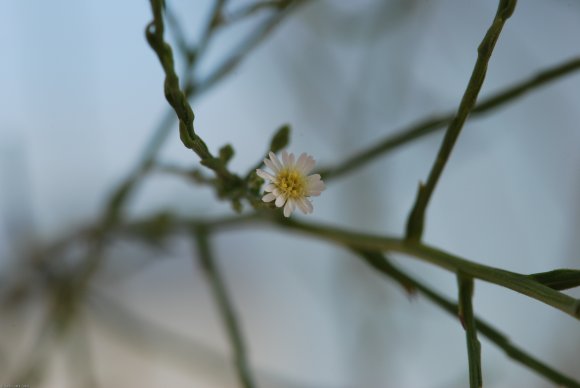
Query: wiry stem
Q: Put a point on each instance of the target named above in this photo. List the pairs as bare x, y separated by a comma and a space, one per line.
176, 97
511, 280
430, 125
224, 303
465, 312
410, 284
415, 223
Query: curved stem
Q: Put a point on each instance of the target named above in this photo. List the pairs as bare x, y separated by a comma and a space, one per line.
430, 125
514, 281
226, 308
410, 284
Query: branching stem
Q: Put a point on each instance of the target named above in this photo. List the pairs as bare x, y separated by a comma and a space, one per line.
226, 308
415, 223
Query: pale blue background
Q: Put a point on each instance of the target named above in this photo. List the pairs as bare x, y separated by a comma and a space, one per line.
80, 92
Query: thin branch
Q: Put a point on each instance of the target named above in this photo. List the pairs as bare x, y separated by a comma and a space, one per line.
138, 331
214, 21
514, 281
123, 192
179, 35
410, 284
465, 312
176, 97
226, 308
415, 223
230, 63
194, 175
522, 284
81, 355
251, 9
428, 126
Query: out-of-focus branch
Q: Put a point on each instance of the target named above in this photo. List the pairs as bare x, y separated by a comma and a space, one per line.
225, 307
234, 59
195, 357
194, 175
251, 9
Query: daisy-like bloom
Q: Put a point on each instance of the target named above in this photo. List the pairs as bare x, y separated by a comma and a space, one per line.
290, 186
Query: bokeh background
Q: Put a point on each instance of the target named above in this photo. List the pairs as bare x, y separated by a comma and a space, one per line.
81, 92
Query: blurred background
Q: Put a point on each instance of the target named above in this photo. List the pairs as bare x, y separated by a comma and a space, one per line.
82, 93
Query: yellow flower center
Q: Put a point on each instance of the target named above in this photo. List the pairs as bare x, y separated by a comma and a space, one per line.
291, 183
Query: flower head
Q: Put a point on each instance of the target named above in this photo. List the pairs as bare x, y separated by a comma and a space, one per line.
290, 186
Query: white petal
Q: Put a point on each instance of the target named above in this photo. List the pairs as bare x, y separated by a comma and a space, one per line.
313, 178
309, 165
280, 201
308, 205
289, 208
263, 174
276, 191
269, 187
314, 191
275, 160
285, 158
304, 205
291, 159
300, 162
268, 197
315, 185
271, 165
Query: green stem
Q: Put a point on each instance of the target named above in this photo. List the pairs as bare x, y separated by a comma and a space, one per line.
465, 312
514, 281
178, 98
248, 45
415, 223
558, 279
127, 187
226, 308
431, 125
410, 284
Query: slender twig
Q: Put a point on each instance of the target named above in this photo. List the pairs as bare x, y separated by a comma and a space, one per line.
410, 284
250, 9
523, 284
248, 45
465, 312
226, 308
212, 23
514, 281
192, 89
428, 126
415, 223
194, 175
179, 35
176, 97
138, 331
81, 355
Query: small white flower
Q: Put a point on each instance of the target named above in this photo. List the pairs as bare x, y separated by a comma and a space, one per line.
290, 186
